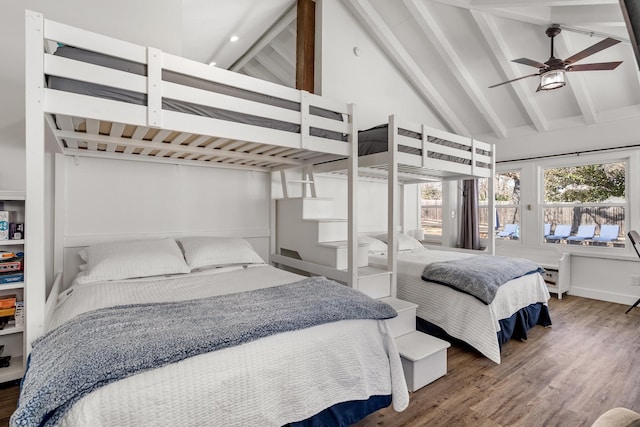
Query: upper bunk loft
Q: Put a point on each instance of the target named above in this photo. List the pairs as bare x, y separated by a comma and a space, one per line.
419, 152
105, 97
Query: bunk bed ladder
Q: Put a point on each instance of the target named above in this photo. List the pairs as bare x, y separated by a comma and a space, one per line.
307, 180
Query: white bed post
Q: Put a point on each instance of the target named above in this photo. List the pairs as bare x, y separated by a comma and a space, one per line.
58, 213
491, 220
35, 286
392, 203
353, 201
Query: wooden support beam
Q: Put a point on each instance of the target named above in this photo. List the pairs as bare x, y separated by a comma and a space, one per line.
305, 45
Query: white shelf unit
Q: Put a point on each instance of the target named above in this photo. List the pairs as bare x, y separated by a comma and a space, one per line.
12, 337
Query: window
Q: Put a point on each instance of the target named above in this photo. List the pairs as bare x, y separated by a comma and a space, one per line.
431, 209
585, 204
507, 195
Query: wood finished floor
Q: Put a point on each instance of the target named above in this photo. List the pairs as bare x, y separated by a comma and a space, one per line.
567, 375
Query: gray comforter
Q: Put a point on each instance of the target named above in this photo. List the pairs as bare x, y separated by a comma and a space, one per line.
479, 276
103, 346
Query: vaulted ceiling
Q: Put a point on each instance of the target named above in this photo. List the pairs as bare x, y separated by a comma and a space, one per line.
453, 50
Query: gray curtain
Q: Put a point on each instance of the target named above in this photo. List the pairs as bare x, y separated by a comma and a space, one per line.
469, 224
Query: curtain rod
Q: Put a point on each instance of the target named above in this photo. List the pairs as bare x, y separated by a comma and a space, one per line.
573, 153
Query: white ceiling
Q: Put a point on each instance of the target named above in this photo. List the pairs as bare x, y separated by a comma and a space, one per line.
451, 51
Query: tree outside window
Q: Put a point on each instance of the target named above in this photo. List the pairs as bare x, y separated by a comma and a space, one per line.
507, 195
431, 209
586, 195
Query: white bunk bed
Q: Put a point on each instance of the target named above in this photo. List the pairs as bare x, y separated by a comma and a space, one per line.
404, 152
152, 130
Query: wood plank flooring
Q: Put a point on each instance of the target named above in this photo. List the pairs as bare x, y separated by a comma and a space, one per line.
567, 375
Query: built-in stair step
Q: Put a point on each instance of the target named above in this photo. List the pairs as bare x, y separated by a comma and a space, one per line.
374, 282
405, 322
424, 358
307, 207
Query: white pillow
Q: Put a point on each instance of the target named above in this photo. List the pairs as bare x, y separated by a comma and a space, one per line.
375, 245
217, 251
405, 243
136, 258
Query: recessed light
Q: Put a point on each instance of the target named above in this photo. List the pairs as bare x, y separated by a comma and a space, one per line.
233, 38
212, 63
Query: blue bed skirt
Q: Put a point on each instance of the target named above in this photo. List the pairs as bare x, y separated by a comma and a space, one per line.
515, 326
345, 413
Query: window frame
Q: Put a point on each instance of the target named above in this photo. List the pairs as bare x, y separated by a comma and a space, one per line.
584, 160
518, 206
432, 238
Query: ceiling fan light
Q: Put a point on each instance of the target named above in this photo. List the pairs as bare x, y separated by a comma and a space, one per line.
553, 79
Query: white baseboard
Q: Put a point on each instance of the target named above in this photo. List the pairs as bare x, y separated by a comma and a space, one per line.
603, 295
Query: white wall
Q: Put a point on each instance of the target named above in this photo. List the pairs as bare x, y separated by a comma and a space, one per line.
607, 134
599, 273
369, 80
147, 22
120, 200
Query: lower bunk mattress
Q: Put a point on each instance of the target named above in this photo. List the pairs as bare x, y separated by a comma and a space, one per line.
461, 315
338, 371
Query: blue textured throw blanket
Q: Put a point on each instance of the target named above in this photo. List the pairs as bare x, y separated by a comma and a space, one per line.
479, 276
105, 345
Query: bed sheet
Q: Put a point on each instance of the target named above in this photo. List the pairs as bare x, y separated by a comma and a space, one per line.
272, 381
461, 315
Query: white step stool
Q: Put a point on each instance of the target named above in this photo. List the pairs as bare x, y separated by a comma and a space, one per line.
405, 321
424, 358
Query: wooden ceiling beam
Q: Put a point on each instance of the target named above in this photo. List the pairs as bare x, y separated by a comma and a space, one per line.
432, 30
576, 82
305, 45
278, 27
538, 3
378, 29
603, 15
503, 57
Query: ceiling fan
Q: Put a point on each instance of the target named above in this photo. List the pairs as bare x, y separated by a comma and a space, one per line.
552, 72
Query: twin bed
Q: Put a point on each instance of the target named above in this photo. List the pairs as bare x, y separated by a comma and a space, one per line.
518, 305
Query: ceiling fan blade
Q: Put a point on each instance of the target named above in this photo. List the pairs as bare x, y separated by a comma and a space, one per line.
601, 45
531, 62
594, 67
513, 80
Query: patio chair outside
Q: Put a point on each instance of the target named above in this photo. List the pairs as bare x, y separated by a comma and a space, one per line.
510, 230
562, 231
608, 233
547, 230
584, 232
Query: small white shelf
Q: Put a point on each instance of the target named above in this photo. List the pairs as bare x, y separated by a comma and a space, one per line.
14, 371
12, 242
11, 195
8, 330
14, 285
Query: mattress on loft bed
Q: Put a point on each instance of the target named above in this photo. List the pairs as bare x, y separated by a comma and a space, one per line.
116, 94
375, 140
349, 367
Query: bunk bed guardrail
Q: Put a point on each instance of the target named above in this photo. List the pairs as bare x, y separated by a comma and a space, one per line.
108, 96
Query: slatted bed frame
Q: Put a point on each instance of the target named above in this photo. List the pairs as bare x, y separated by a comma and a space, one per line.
86, 125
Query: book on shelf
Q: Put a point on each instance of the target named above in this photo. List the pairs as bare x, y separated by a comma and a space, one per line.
11, 277
8, 301
6, 312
